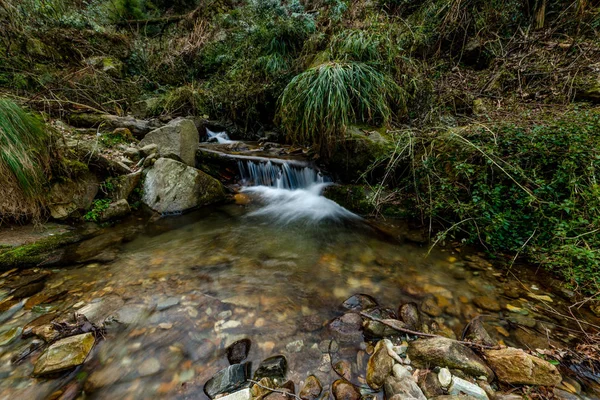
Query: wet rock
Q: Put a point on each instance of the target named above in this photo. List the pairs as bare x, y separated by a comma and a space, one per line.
104, 376
238, 351
359, 302
344, 390
178, 139
379, 366
295, 346
115, 210
10, 335
130, 314
149, 366
373, 329
344, 369
96, 312
29, 290
448, 353
167, 303
430, 384
262, 389
311, 323
514, 366
273, 367
312, 388
410, 315
243, 394
72, 197
228, 380
347, 328
461, 386
45, 297
328, 346
41, 328
289, 387
65, 354
487, 303
476, 333
171, 186
402, 384
429, 306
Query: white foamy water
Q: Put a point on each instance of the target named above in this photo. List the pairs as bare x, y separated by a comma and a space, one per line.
220, 137
291, 205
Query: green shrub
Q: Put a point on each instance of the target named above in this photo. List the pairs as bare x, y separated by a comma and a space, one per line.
529, 190
318, 105
98, 207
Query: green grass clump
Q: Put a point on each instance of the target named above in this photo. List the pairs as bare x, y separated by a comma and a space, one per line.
318, 105
23, 148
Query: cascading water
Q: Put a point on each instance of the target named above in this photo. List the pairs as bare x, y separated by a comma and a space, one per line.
290, 192
220, 137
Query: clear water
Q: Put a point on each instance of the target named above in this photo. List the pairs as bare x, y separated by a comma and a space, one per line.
237, 273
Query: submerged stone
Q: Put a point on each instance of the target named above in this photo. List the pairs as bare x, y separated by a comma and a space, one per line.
359, 302
238, 351
65, 354
273, 367
10, 335
228, 380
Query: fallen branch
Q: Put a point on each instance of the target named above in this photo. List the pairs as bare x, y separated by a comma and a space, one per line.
422, 334
275, 390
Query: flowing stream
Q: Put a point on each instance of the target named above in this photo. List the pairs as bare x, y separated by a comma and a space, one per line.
184, 288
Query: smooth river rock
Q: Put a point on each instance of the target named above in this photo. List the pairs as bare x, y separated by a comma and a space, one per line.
379, 366
443, 352
344, 390
172, 186
514, 366
65, 354
312, 388
238, 351
402, 384
274, 368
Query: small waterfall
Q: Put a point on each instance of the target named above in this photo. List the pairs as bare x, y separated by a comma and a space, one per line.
290, 191
220, 137
281, 176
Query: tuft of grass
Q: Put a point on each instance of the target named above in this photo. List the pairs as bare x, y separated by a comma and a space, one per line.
318, 105
23, 148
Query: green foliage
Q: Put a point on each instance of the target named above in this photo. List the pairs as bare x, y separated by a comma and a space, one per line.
98, 207
122, 10
23, 148
116, 137
531, 190
318, 105
373, 45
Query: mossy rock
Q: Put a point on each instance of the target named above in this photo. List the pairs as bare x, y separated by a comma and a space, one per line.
362, 147
38, 247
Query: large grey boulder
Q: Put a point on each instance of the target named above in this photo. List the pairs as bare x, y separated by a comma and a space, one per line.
171, 186
178, 140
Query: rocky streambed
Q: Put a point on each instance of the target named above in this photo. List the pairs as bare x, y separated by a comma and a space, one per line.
224, 302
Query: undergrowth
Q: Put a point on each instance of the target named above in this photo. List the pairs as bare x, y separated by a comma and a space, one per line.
529, 190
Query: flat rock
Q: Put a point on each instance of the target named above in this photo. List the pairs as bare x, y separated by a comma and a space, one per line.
448, 353
10, 335
347, 328
514, 366
487, 303
65, 354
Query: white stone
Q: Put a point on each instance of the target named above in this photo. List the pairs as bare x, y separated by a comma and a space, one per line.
295, 346
241, 395
401, 372
445, 377
462, 386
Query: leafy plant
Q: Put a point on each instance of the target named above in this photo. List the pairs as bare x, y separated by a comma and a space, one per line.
98, 207
318, 105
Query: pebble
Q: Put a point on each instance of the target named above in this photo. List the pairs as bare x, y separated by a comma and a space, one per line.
295, 346
165, 325
149, 366
445, 377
